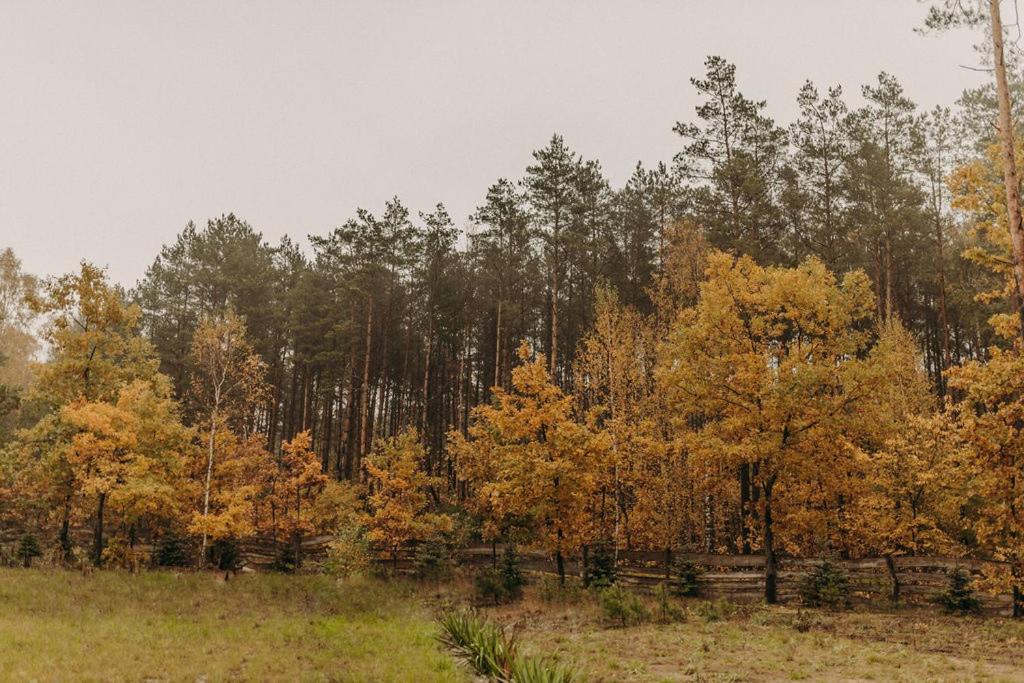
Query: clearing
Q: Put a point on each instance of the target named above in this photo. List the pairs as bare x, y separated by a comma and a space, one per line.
165, 626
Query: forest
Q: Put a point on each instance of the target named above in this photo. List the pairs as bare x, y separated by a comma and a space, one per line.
790, 339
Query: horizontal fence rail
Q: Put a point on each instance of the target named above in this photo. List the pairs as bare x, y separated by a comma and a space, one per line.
732, 577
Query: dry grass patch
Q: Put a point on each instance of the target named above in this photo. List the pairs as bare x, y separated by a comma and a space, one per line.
758, 643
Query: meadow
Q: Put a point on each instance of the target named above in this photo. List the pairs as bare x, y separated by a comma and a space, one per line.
191, 626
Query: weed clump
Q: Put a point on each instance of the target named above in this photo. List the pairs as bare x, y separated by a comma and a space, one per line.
715, 610
668, 612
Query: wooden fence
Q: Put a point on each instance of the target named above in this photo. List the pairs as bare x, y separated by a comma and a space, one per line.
733, 577
740, 578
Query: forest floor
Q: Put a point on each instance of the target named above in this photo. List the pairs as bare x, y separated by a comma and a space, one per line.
165, 626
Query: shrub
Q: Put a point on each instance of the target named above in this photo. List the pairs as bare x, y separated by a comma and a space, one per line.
501, 584
170, 551
959, 597
601, 566
715, 610
622, 606
120, 553
685, 577
432, 560
826, 585
550, 589
225, 555
511, 574
28, 549
284, 561
349, 553
668, 612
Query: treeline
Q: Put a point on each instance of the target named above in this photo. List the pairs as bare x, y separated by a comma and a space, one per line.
395, 319
789, 339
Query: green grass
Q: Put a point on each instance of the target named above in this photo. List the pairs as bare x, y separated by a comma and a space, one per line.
162, 626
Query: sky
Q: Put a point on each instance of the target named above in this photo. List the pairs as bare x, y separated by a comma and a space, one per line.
122, 121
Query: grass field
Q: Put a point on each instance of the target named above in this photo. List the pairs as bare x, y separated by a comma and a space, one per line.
758, 643
160, 626
62, 626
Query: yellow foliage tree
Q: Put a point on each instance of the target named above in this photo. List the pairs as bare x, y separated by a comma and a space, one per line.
765, 371
991, 417
527, 462
129, 456
297, 484
400, 505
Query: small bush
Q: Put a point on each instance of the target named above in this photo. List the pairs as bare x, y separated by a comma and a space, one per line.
511, 573
959, 597
502, 584
552, 591
28, 549
825, 586
121, 554
226, 557
715, 610
601, 569
685, 577
668, 612
622, 606
349, 553
170, 551
284, 562
432, 560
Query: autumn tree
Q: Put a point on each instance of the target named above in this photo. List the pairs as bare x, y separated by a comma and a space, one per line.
129, 456
401, 507
227, 386
95, 353
991, 417
765, 371
526, 461
295, 488
987, 15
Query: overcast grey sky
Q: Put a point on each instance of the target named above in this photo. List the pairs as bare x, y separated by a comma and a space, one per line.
121, 121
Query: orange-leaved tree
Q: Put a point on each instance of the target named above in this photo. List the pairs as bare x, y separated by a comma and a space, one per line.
767, 371
401, 505
130, 456
527, 462
297, 484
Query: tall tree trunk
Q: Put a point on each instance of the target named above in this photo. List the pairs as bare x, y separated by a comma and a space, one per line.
206, 485
771, 572
97, 547
497, 346
426, 381
888, 273
364, 394
1010, 179
744, 477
